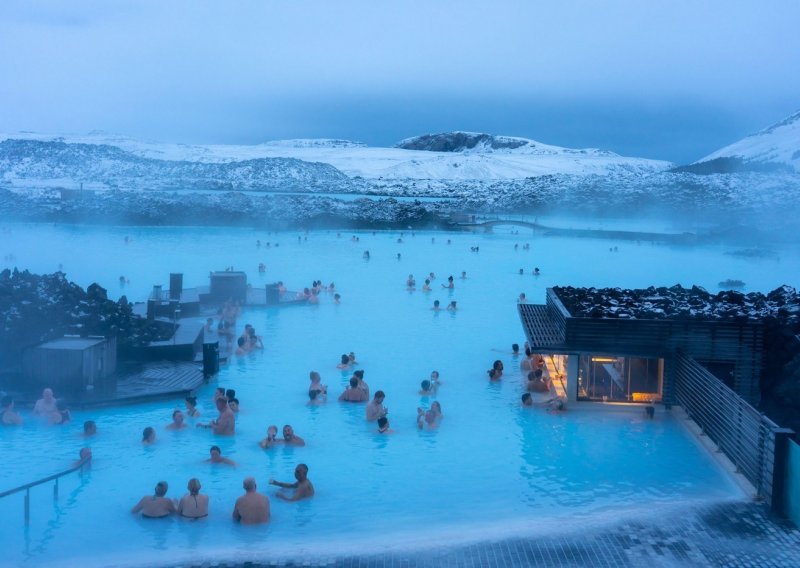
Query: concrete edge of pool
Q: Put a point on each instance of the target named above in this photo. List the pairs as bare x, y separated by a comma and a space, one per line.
721, 533
695, 532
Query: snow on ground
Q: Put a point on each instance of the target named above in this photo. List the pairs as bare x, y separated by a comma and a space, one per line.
356, 159
780, 143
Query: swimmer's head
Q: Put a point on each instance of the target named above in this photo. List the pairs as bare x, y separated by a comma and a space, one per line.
193, 486
345, 359
515, 347
89, 427
314, 376
426, 385
148, 434
383, 423
215, 451
526, 399
354, 382
161, 488
359, 373
191, 401
240, 342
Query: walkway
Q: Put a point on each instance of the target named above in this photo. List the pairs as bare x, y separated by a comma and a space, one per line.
737, 534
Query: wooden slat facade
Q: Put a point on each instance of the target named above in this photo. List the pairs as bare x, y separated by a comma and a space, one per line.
739, 343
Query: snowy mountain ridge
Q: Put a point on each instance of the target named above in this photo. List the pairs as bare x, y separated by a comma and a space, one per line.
527, 159
777, 145
36, 163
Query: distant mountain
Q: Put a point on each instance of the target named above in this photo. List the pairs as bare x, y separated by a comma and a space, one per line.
53, 163
486, 143
468, 157
776, 148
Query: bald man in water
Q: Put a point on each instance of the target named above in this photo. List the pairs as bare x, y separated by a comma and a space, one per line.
252, 508
302, 487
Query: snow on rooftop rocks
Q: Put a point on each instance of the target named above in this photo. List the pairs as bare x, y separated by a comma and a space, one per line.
679, 303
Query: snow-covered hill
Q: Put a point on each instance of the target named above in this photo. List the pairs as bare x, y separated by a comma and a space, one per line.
35, 163
777, 147
493, 159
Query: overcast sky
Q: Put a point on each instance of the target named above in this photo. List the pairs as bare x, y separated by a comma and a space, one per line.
674, 79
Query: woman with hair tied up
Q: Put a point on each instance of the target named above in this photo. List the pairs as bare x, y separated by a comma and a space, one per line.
193, 505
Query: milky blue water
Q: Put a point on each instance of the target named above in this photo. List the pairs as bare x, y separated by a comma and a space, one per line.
492, 468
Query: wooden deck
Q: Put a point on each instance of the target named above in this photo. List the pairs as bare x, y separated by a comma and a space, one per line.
137, 383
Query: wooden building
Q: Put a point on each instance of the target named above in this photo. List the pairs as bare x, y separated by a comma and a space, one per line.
71, 364
635, 360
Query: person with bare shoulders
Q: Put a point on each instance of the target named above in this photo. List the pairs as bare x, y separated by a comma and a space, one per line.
193, 505
252, 508
290, 439
496, 372
316, 385
191, 406
375, 408
436, 306
225, 424
537, 382
84, 458
177, 421
345, 362
353, 393
362, 384
272, 438
46, 405
8, 417
426, 287
216, 457
303, 489
450, 284
155, 506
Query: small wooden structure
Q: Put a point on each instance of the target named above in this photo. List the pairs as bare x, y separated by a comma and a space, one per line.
71, 363
228, 285
735, 346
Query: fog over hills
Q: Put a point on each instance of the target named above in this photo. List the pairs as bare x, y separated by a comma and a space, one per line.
755, 180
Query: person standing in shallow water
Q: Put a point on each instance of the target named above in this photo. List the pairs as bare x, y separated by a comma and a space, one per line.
225, 424
155, 506
252, 508
193, 505
303, 489
375, 409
